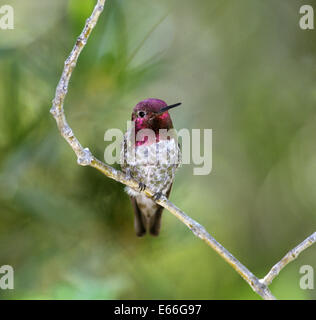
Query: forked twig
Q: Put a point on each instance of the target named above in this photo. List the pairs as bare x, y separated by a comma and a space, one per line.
289, 257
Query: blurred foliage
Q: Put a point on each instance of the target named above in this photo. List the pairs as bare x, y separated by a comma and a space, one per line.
242, 68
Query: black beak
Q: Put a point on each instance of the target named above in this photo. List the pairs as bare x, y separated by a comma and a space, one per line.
164, 109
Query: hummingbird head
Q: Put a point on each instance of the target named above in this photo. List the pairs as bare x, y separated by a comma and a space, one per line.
152, 114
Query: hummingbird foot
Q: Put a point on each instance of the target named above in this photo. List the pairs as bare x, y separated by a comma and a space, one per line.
129, 175
141, 186
157, 196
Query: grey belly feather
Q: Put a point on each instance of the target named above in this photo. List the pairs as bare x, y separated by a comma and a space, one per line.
154, 165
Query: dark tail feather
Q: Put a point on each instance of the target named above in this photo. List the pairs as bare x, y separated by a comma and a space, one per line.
155, 222
142, 223
138, 222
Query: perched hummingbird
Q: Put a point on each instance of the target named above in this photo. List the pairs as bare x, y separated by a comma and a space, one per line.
154, 164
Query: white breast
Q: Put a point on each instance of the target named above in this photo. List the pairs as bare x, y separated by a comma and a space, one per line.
155, 165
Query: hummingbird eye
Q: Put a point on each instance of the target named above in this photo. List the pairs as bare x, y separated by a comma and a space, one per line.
141, 114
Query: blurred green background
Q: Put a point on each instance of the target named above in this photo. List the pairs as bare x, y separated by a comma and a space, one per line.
242, 68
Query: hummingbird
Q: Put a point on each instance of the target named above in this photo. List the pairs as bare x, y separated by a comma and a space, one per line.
156, 159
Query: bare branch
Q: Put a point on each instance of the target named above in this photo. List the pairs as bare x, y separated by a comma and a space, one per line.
85, 158
194, 226
83, 155
289, 257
